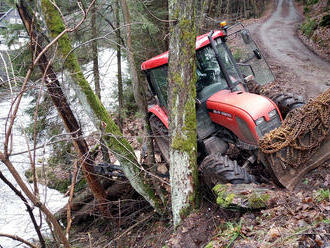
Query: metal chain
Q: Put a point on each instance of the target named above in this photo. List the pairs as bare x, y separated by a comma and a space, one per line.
301, 133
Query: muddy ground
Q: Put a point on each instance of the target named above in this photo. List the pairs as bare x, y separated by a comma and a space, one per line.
298, 218
296, 67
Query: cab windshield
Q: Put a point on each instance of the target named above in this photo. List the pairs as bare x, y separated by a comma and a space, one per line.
208, 69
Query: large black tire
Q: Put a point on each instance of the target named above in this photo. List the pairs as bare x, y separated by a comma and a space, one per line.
217, 168
287, 102
160, 133
284, 101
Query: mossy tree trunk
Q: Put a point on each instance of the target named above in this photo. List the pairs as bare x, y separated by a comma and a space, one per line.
182, 112
95, 109
96, 72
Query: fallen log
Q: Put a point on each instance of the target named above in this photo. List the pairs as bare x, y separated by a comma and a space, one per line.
243, 196
85, 199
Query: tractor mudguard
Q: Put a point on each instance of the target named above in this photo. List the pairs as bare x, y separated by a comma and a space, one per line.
159, 112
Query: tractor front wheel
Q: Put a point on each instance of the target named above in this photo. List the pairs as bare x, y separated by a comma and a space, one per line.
287, 102
284, 101
217, 168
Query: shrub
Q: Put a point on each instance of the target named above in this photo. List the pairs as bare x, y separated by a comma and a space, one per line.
308, 27
325, 21
306, 10
311, 2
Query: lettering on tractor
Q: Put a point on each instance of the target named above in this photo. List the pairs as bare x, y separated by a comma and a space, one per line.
230, 119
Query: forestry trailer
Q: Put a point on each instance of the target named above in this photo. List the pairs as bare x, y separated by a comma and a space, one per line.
230, 119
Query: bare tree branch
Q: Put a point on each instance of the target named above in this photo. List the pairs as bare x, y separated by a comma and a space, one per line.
15, 237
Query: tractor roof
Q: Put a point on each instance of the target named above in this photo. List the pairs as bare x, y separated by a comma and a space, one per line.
162, 59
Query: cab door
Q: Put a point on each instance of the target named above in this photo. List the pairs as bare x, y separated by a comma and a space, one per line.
248, 55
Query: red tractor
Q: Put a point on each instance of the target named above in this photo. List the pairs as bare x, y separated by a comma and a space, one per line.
230, 120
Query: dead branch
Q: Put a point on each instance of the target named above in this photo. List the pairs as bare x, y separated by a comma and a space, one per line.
15, 237
36, 201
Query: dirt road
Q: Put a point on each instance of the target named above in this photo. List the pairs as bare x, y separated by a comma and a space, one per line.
284, 50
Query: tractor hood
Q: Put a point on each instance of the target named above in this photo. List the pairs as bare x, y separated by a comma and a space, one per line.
248, 116
254, 105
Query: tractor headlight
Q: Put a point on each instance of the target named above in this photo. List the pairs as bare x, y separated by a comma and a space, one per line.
259, 121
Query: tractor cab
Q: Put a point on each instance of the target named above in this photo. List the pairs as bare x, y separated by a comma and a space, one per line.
223, 59
222, 96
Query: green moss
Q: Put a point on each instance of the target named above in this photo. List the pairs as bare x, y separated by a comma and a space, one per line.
223, 198
322, 195
184, 212
258, 200
209, 245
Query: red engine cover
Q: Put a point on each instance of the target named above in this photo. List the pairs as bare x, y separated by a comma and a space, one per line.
225, 106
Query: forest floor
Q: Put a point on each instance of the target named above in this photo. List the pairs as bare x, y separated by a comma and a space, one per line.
297, 218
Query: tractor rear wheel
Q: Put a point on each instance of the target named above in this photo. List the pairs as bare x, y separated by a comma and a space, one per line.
217, 168
160, 133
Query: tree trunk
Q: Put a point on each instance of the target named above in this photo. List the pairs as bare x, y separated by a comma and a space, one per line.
139, 87
119, 76
94, 108
96, 72
182, 112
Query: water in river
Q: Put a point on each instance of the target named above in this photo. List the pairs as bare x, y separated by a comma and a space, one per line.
14, 218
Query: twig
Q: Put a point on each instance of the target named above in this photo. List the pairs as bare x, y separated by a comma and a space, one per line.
130, 228
15, 237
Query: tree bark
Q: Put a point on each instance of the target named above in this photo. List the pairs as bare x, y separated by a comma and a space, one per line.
119, 76
96, 72
182, 112
138, 86
95, 109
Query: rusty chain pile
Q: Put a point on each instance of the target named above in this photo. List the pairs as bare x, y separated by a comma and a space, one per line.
301, 133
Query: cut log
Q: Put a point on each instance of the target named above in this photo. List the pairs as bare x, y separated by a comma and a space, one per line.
243, 196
